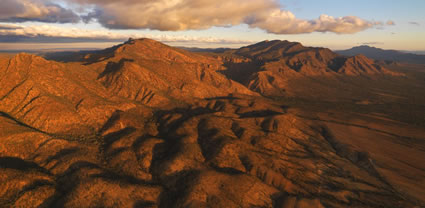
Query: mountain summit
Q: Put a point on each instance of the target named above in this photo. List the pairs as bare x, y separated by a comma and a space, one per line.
150, 72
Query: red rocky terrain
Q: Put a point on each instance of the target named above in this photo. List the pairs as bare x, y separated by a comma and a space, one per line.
144, 124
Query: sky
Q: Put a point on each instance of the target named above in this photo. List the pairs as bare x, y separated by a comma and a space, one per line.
335, 24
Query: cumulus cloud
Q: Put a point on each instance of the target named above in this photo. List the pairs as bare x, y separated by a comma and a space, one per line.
285, 22
35, 10
174, 15
177, 15
49, 33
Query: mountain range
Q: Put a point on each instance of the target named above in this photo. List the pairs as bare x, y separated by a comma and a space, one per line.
273, 124
384, 55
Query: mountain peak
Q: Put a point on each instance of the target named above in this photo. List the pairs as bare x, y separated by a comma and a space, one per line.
132, 41
145, 48
268, 50
26, 59
23, 56
273, 43
364, 46
142, 43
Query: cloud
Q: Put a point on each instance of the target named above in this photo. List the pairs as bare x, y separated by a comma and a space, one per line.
9, 27
55, 34
35, 10
176, 15
38, 33
284, 22
390, 22
415, 23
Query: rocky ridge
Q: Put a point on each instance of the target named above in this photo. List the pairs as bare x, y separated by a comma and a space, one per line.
273, 63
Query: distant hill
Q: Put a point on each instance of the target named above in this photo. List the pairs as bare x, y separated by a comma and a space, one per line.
384, 55
415, 52
206, 50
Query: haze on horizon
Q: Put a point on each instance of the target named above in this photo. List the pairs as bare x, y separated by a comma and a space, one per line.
44, 24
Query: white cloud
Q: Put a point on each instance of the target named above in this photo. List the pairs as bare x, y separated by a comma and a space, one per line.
57, 32
49, 33
177, 15
174, 15
285, 22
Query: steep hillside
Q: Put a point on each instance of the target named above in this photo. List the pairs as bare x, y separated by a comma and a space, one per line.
54, 97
